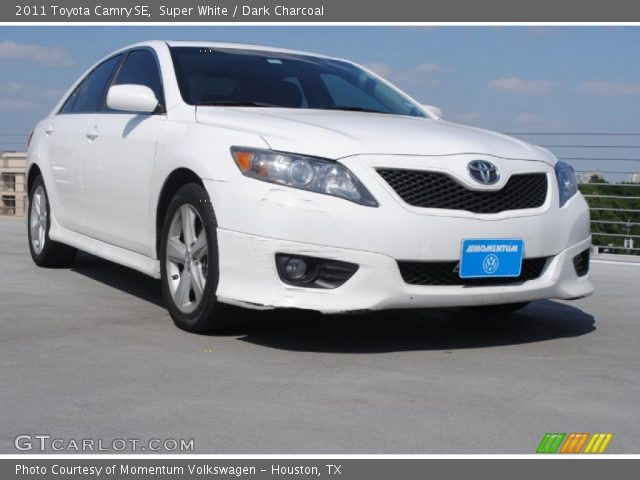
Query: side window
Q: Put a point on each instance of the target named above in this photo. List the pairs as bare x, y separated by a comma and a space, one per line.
89, 96
68, 105
141, 68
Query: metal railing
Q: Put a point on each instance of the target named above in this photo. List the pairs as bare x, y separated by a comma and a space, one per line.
9, 139
604, 161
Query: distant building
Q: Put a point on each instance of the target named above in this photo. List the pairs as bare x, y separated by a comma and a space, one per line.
13, 191
634, 178
585, 177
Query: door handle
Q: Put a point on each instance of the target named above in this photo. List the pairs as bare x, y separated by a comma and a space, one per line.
92, 133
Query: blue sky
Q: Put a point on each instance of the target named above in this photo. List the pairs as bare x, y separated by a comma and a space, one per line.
511, 79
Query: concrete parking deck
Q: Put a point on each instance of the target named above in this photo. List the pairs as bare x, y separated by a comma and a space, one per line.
90, 352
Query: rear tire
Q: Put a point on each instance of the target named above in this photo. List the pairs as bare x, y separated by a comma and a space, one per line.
189, 263
44, 251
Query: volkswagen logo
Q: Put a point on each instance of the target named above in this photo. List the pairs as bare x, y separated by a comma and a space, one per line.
490, 263
484, 172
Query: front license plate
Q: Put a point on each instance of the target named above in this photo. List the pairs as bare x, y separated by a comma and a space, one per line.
499, 257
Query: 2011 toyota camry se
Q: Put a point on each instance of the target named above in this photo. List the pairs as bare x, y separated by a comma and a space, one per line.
268, 178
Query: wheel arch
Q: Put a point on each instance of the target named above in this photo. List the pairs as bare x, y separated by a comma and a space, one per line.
32, 174
174, 181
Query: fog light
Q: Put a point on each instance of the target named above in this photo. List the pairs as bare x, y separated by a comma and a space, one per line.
295, 268
313, 272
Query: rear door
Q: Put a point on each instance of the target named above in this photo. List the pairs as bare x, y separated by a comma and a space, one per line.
119, 163
66, 141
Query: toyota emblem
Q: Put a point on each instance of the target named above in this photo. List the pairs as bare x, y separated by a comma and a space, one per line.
484, 172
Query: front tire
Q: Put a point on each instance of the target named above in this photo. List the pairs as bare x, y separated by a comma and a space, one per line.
44, 251
189, 263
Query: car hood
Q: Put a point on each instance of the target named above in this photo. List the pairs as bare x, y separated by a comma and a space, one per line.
337, 134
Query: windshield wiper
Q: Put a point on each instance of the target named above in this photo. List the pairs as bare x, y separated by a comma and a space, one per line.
236, 103
352, 109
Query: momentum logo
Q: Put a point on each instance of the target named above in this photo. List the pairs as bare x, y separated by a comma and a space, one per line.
574, 442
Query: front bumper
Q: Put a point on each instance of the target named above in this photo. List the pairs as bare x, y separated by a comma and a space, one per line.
248, 277
256, 220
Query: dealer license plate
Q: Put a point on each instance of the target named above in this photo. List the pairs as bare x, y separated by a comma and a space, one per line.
493, 257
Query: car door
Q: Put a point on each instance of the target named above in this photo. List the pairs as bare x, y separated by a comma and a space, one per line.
66, 141
119, 161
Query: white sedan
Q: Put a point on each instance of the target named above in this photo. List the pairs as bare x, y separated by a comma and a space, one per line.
258, 177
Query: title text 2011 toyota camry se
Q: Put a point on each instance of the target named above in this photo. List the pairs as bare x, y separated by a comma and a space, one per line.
264, 178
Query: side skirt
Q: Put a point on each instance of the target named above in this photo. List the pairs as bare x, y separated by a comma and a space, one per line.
130, 259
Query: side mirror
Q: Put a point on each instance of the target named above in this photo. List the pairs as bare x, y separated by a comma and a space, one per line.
132, 98
435, 111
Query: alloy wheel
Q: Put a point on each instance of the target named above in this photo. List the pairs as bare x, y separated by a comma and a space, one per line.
186, 258
38, 219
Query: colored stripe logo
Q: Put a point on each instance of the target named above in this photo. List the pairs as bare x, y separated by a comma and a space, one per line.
598, 443
574, 443
550, 442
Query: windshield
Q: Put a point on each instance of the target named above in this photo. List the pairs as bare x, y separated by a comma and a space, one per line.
233, 77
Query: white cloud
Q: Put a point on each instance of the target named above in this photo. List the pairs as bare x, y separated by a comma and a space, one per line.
52, 93
15, 104
423, 74
431, 68
406, 79
11, 87
609, 89
46, 56
530, 119
466, 116
534, 120
380, 68
15, 96
16, 88
524, 87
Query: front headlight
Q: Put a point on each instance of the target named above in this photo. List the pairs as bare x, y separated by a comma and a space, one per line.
307, 173
567, 183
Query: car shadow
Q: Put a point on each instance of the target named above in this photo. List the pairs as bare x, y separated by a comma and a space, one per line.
413, 330
374, 332
119, 277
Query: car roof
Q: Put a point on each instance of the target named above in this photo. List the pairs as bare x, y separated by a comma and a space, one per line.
225, 45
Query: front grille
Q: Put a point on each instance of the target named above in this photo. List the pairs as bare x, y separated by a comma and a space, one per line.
446, 273
438, 190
